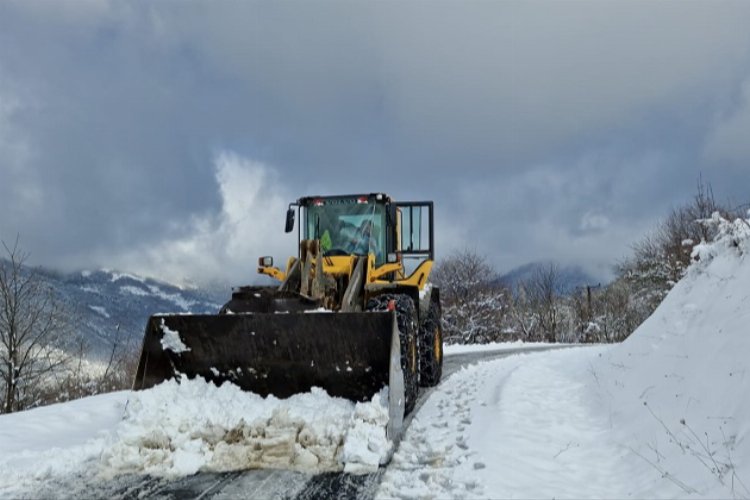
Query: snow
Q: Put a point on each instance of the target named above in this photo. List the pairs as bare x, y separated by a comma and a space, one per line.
39, 445
662, 415
181, 427
318, 310
100, 310
425, 290
134, 290
450, 349
175, 298
171, 340
178, 429
155, 291
117, 276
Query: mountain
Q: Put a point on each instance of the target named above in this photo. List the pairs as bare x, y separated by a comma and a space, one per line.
103, 299
569, 277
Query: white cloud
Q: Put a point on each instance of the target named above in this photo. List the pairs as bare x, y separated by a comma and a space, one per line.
224, 247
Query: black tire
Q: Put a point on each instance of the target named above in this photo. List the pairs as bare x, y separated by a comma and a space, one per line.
406, 318
431, 347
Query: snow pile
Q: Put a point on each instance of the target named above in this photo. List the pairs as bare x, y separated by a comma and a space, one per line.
177, 429
675, 392
366, 446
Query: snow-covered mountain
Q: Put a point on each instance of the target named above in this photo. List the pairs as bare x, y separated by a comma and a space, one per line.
103, 299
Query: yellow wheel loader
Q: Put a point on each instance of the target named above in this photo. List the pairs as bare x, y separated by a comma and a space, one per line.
353, 312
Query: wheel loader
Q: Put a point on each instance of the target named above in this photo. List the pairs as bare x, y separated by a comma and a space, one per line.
353, 312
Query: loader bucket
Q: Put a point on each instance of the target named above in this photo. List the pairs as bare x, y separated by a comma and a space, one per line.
349, 355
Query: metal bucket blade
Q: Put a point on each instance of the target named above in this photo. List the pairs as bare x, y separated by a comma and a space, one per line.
347, 354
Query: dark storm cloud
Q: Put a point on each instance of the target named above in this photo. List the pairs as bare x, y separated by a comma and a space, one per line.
541, 129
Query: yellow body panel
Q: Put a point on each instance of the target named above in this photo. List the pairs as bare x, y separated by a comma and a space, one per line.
273, 272
340, 265
343, 265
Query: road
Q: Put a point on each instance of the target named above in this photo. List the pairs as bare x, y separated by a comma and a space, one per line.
260, 483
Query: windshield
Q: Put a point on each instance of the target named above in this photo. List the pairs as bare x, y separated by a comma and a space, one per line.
347, 226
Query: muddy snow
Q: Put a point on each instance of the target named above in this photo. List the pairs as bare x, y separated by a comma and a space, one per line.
178, 429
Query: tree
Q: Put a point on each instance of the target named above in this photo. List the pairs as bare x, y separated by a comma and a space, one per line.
540, 311
33, 328
474, 305
662, 257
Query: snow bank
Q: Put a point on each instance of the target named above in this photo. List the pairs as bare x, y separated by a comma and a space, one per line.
55, 441
675, 392
178, 429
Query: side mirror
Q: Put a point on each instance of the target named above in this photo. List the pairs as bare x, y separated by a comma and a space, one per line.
265, 262
289, 220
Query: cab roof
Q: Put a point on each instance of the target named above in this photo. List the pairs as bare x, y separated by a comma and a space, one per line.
352, 198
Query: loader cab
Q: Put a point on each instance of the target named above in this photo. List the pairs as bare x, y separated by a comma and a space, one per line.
347, 225
367, 223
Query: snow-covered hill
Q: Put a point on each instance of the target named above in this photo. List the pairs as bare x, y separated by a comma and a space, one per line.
662, 415
103, 299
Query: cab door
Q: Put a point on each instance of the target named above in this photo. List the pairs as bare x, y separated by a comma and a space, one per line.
415, 237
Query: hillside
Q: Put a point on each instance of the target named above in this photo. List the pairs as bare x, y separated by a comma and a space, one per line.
569, 277
103, 299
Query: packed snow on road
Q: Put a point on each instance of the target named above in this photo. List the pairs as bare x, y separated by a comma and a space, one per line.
179, 428
662, 415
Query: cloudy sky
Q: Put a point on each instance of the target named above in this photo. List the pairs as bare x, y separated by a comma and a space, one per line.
167, 137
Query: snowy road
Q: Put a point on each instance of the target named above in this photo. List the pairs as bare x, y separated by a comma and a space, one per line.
659, 416
260, 483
